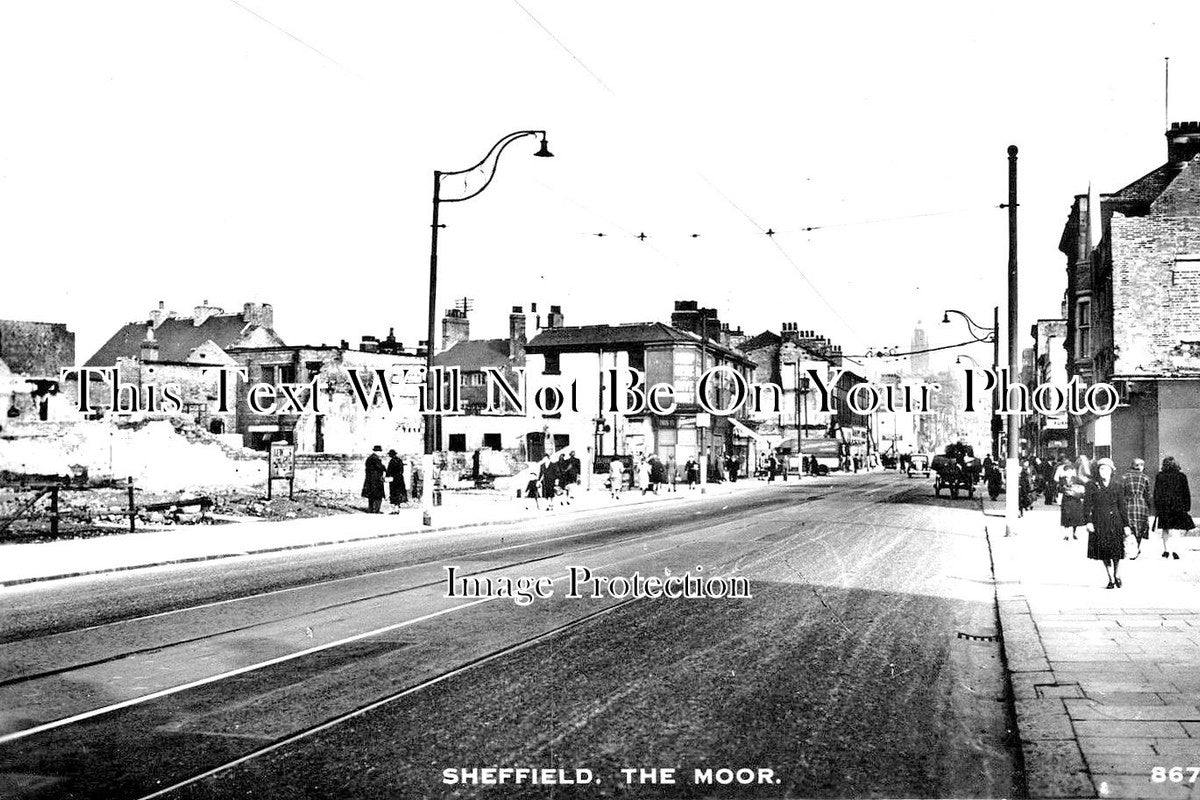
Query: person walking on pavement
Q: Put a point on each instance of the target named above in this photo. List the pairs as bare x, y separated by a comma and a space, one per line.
1172, 502
574, 470
643, 475
616, 477
547, 477
772, 468
397, 489
1108, 520
1025, 489
373, 482
1050, 480
1073, 514
691, 472
562, 473
672, 475
991, 474
1136, 488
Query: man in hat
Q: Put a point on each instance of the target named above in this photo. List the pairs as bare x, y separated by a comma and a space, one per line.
373, 483
1136, 488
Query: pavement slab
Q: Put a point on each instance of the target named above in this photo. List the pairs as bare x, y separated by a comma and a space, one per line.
1124, 664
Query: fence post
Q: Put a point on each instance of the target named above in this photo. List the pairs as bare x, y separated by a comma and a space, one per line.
132, 507
54, 511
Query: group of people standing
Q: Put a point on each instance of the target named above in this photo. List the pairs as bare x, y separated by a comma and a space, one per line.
1092, 496
387, 480
554, 479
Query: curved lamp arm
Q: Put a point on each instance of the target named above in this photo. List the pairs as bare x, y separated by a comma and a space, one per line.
492, 156
974, 327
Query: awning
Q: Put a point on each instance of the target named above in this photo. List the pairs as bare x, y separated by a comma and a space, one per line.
746, 432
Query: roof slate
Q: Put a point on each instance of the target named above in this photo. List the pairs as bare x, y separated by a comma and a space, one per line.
176, 338
584, 337
473, 355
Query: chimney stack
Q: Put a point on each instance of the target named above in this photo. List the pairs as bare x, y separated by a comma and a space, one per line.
159, 315
516, 334
555, 318
455, 328
1183, 141
370, 344
202, 313
261, 315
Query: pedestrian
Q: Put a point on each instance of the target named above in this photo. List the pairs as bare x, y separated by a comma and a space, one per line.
616, 477
1050, 480
1172, 502
1108, 520
672, 475
733, 463
547, 477
643, 475
658, 475
562, 474
531, 488
373, 482
994, 478
1073, 514
575, 466
1024, 489
691, 471
397, 489
1136, 488
772, 467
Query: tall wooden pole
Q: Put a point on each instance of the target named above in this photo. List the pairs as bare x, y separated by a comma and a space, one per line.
1012, 467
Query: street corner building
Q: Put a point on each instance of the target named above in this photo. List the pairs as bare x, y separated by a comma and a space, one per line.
1132, 307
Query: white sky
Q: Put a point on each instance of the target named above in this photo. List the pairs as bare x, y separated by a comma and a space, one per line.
189, 151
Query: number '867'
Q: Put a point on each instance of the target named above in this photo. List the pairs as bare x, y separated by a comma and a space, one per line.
1174, 774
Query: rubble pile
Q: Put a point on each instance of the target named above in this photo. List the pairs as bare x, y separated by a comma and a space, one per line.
160, 454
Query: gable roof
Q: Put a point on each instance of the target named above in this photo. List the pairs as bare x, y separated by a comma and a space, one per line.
473, 355
592, 337
176, 337
764, 339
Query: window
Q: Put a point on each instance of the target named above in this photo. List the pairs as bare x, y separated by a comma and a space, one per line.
314, 369
473, 379
458, 443
552, 365
492, 441
637, 360
287, 373
1083, 328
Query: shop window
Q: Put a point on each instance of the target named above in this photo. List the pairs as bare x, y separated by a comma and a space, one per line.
458, 443
491, 441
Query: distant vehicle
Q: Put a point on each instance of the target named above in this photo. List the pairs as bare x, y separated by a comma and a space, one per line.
919, 464
957, 469
825, 453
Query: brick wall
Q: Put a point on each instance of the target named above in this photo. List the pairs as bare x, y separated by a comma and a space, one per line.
1156, 294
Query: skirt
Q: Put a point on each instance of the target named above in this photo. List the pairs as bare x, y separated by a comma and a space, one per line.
1072, 514
1106, 545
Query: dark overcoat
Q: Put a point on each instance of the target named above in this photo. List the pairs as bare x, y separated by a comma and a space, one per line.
373, 483
1109, 516
398, 491
1172, 502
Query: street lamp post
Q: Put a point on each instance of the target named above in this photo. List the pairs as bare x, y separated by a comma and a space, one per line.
1012, 466
992, 335
486, 166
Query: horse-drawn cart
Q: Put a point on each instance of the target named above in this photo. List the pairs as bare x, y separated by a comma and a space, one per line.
956, 470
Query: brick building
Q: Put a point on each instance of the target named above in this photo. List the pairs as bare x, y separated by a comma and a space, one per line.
1133, 308
1047, 436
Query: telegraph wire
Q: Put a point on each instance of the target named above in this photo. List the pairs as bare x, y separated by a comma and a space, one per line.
566, 49
288, 33
883, 354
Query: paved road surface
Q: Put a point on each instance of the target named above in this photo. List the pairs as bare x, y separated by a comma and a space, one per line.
346, 672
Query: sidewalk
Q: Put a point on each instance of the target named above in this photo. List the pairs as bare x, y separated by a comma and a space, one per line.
28, 563
1106, 682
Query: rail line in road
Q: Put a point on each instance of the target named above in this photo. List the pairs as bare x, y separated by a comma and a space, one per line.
798, 536
682, 530
682, 527
403, 693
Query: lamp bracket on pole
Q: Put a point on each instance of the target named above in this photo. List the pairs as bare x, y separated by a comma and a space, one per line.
492, 158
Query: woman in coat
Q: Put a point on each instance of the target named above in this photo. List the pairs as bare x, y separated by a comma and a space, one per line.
1172, 502
547, 477
1072, 515
1108, 520
397, 491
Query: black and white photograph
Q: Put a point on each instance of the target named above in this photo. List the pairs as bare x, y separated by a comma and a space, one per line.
530, 399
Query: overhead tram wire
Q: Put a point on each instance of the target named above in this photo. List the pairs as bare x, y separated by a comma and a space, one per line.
292, 36
728, 199
890, 354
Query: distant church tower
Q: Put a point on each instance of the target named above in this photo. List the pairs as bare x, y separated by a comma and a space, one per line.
919, 361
